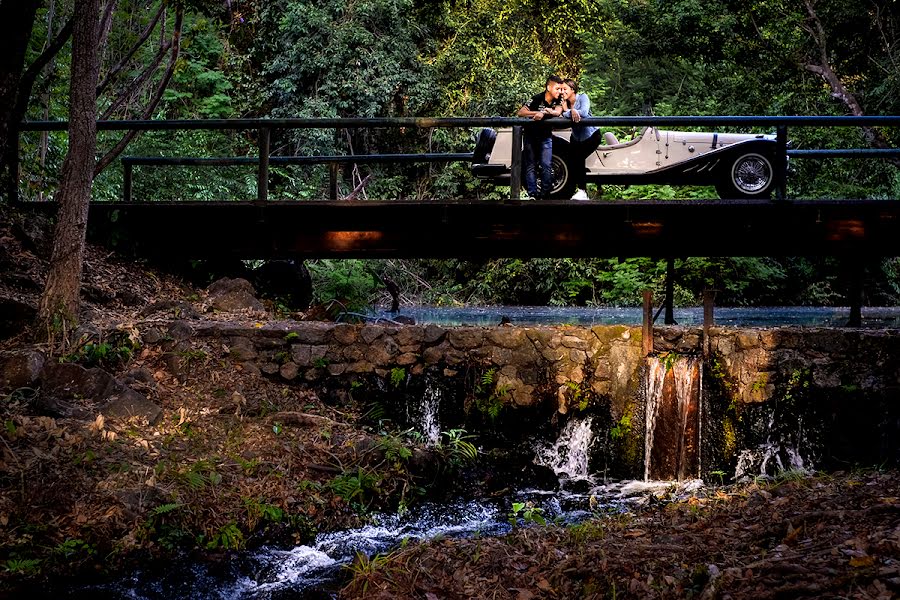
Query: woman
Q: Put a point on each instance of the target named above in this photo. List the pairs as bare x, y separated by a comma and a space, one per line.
585, 138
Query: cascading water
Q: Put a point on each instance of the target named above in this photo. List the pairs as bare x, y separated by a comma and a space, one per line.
777, 454
569, 455
673, 387
425, 415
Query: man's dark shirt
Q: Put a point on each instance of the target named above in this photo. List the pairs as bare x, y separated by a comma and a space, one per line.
537, 103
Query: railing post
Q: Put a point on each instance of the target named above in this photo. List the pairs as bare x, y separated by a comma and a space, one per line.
709, 300
515, 174
262, 186
647, 336
127, 178
781, 160
333, 170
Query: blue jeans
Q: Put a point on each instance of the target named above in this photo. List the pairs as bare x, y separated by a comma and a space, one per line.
538, 149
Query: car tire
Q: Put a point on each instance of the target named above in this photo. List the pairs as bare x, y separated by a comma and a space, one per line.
750, 176
483, 146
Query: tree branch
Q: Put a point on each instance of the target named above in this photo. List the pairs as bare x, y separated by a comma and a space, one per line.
154, 102
839, 91
137, 84
29, 77
145, 35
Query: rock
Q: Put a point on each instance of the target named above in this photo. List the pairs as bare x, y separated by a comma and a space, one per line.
289, 371
20, 369
125, 403
17, 316
230, 295
70, 390
179, 309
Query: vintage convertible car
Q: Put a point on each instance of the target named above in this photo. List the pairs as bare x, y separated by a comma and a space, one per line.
738, 165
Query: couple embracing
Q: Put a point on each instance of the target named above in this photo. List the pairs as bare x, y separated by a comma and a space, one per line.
560, 98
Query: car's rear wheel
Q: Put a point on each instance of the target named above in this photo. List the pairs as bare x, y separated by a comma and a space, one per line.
483, 146
750, 176
563, 181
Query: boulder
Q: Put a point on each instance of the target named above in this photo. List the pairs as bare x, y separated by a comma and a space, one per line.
71, 391
231, 295
20, 369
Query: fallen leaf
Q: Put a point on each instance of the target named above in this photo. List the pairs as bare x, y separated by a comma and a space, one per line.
860, 562
544, 585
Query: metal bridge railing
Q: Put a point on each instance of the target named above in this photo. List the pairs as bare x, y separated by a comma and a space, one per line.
266, 126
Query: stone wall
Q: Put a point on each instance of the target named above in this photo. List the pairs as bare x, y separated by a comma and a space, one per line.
535, 363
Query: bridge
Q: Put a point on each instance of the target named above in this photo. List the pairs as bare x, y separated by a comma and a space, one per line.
267, 227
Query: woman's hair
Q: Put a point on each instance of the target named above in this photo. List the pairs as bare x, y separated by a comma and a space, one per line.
571, 83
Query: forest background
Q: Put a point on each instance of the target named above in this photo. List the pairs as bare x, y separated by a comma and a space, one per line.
195, 59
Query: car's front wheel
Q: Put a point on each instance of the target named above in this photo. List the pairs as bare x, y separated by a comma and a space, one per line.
750, 176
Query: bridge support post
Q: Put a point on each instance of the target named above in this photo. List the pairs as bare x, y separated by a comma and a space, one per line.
855, 293
262, 187
515, 174
333, 170
647, 334
12, 182
127, 179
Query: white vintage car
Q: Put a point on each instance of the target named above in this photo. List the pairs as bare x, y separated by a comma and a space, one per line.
738, 165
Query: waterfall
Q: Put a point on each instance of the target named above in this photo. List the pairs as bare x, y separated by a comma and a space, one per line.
672, 433
782, 451
568, 455
425, 415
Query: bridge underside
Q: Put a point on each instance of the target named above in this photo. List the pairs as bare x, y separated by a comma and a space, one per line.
490, 229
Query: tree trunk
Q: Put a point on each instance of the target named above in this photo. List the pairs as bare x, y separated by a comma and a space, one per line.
60, 301
16, 22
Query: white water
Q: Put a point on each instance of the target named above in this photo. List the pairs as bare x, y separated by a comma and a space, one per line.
773, 456
425, 416
568, 456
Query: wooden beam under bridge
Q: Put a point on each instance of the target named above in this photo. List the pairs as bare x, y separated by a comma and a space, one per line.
481, 229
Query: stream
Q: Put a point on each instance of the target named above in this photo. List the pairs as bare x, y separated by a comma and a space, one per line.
873, 317
318, 570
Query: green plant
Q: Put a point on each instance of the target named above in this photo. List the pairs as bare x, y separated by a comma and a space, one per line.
356, 488
258, 510
395, 451
282, 357
528, 512
720, 474
622, 428
22, 566
228, 537
73, 547
457, 448
490, 396
293, 336
669, 359
364, 570
398, 376
320, 363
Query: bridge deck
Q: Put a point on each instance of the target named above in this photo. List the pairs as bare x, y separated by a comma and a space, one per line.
470, 229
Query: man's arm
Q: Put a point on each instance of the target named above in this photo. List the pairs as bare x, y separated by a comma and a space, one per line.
531, 114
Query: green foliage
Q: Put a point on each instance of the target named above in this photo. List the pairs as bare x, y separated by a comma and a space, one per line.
228, 537
258, 510
27, 567
357, 489
489, 396
527, 512
398, 376
456, 447
622, 428
347, 282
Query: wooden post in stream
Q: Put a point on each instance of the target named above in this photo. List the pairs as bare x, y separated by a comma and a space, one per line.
709, 299
648, 323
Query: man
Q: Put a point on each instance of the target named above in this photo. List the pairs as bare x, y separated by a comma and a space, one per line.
538, 150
